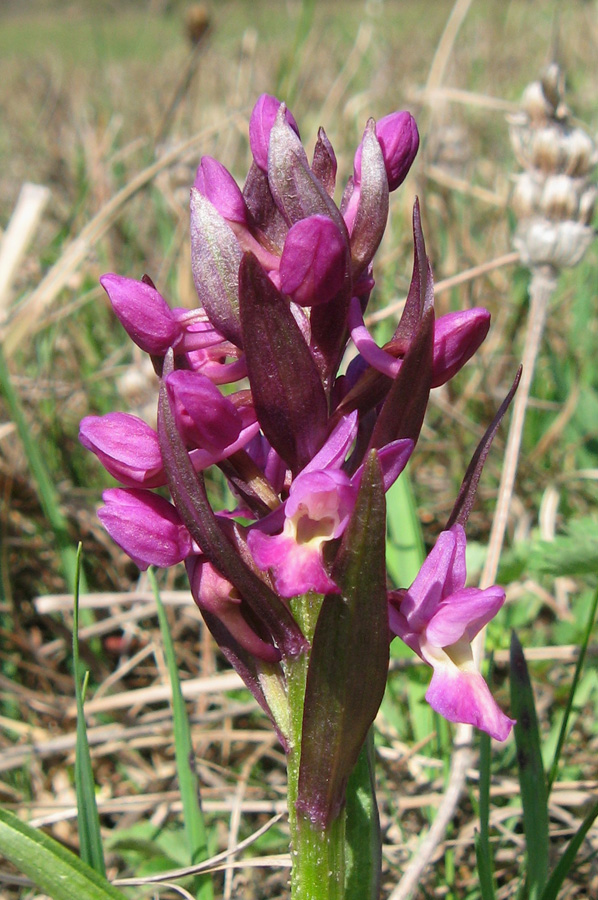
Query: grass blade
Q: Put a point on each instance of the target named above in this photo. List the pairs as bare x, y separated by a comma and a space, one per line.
54, 869
405, 546
362, 834
88, 820
483, 850
195, 828
576, 676
534, 795
568, 858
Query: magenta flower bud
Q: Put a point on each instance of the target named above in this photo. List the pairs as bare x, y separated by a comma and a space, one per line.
457, 336
399, 140
127, 448
206, 419
143, 312
314, 261
147, 527
216, 595
260, 126
218, 185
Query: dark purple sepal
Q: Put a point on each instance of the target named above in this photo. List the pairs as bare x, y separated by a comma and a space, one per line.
264, 212
469, 485
191, 501
215, 258
295, 189
329, 332
324, 163
287, 391
349, 658
372, 211
413, 309
402, 413
245, 666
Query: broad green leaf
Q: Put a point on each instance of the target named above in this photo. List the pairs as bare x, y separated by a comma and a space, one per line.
349, 659
52, 868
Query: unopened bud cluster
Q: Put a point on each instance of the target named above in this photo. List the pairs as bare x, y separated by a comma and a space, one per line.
555, 194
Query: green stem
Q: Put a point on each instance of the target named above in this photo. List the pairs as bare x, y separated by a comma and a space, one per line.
318, 855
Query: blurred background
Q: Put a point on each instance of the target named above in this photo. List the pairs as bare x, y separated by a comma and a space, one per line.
107, 108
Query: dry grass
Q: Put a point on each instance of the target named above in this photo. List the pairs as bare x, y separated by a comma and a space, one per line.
85, 91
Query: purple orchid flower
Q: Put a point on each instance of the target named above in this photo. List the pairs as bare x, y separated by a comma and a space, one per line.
283, 278
438, 617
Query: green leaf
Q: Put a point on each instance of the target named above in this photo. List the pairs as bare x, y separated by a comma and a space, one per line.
573, 553
195, 828
534, 795
88, 820
567, 860
483, 850
53, 869
363, 846
349, 659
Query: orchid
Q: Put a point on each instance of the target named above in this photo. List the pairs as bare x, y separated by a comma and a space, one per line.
438, 617
291, 578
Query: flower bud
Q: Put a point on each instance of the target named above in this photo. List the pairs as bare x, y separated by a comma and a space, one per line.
399, 140
260, 126
457, 336
314, 261
206, 419
143, 312
218, 185
147, 527
216, 595
127, 448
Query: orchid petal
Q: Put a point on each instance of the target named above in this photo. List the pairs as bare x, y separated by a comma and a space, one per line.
464, 696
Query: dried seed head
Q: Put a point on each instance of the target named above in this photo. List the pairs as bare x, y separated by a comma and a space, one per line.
197, 22
554, 196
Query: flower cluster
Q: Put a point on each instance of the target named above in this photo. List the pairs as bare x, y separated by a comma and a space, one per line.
283, 276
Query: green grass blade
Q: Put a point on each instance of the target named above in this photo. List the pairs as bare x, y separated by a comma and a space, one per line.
483, 849
576, 676
534, 795
195, 828
88, 820
362, 829
54, 869
405, 546
566, 861
45, 489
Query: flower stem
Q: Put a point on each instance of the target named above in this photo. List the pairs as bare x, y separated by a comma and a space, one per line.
318, 855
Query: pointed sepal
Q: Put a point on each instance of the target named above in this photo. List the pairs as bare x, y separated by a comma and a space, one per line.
372, 210
215, 258
287, 391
